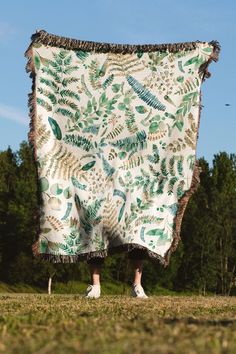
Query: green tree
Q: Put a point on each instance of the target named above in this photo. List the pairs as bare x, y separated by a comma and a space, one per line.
199, 267
223, 207
8, 219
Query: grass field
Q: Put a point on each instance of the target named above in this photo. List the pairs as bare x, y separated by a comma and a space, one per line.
41, 323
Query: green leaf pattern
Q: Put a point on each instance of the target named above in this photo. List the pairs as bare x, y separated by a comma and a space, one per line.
119, 156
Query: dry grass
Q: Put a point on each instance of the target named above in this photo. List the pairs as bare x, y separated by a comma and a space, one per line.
41, 323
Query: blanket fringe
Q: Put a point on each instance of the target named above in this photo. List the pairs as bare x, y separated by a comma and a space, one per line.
183, 202
31, 139
43, 37
203, 69
128, 247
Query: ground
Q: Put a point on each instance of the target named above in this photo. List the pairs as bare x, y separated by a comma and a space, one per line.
41, 323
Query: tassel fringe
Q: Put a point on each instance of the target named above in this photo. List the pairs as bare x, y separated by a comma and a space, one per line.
203, 69
43, 37
32, 142
128, 247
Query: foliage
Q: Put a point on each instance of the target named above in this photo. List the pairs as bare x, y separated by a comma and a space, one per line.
204, 260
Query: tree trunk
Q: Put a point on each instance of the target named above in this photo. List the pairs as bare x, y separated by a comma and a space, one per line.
118, 271
221, 266
50, 282
50, 285
204, 289
225, 272
231, 280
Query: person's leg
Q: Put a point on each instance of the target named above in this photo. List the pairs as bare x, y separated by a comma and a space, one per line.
94, 289
137, 265
95, 272
95, 267
136, 257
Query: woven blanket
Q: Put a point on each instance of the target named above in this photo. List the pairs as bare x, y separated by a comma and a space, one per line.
114, 129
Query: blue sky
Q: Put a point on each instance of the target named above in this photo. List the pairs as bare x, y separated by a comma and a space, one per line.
134, 22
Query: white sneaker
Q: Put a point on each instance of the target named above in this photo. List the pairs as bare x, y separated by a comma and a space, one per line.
137, 291
93, 291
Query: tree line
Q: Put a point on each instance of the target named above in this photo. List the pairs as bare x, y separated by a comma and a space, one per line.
205, 260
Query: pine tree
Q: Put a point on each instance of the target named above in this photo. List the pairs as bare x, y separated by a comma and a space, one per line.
223, 204
198, 270
8, 218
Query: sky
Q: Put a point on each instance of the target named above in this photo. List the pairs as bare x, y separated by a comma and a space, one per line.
130, 22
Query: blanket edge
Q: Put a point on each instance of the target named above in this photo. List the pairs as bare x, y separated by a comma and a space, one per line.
43, 37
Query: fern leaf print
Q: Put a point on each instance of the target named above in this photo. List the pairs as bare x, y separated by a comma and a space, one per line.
145, 94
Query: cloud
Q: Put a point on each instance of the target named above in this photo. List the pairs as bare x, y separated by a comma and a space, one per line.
6, 31
14, 114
